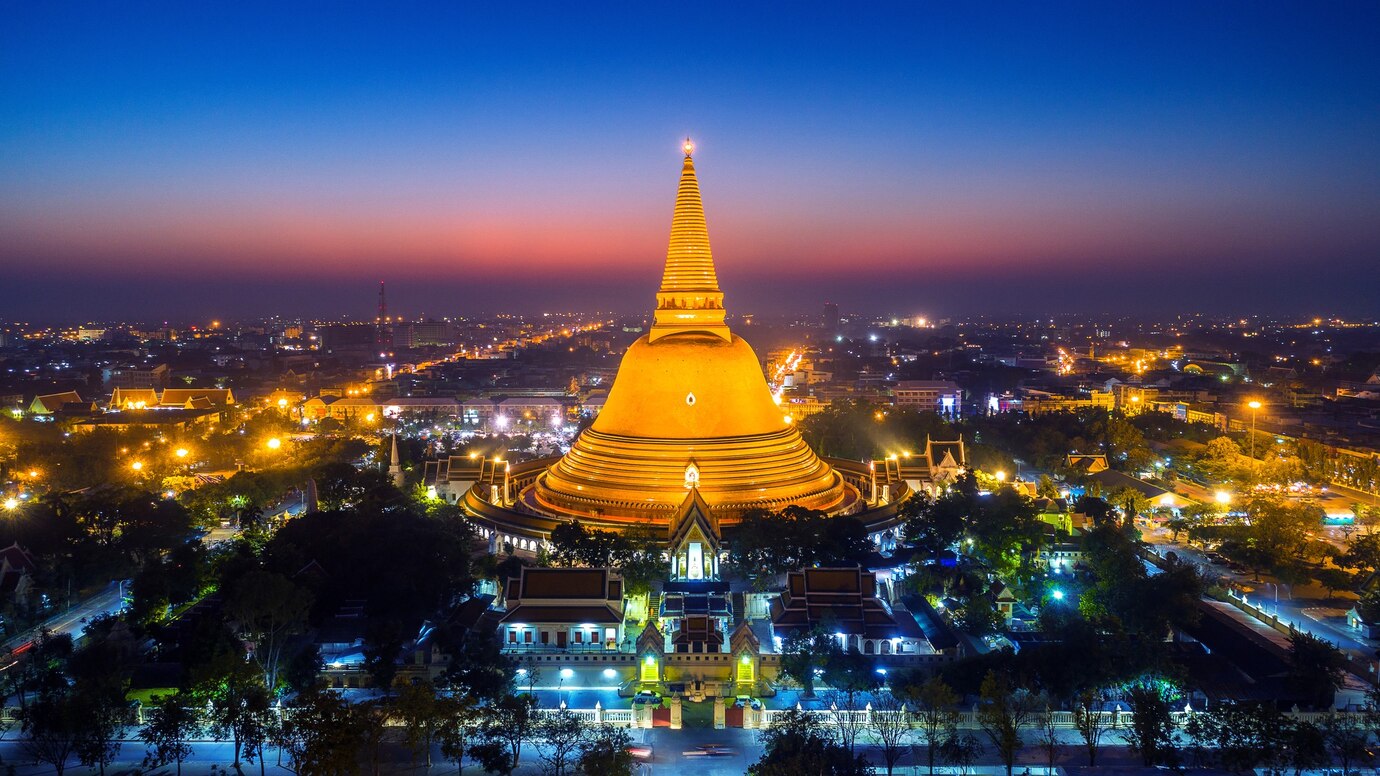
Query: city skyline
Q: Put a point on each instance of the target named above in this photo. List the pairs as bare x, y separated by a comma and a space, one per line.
178, 162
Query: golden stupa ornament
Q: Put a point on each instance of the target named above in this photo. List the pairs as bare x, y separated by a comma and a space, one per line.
689, 408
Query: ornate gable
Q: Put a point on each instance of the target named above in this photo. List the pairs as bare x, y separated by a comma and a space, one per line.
744, 640
694, 525
651, 640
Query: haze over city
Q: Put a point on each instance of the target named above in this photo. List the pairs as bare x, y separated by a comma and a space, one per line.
163, 160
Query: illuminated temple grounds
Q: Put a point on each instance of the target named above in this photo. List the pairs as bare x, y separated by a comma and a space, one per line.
689, 419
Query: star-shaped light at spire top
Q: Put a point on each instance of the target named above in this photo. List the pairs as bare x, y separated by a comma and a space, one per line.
688, 146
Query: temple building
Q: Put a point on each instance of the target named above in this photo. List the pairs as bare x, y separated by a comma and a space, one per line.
689, 411
690, 407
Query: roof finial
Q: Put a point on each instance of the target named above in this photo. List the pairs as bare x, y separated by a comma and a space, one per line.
689, 147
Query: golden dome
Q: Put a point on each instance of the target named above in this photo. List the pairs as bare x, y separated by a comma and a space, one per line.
689, 407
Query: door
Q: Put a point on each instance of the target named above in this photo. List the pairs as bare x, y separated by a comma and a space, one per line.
560, 639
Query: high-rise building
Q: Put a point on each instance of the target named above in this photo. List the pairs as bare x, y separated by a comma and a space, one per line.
831, 317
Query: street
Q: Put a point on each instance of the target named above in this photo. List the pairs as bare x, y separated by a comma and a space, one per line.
1306, 607
74, 620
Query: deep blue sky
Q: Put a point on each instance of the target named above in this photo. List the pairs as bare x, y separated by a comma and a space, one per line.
219, 159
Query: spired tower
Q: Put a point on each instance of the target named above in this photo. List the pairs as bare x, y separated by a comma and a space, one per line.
689, 409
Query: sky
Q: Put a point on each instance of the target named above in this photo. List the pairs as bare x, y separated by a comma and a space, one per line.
195, 160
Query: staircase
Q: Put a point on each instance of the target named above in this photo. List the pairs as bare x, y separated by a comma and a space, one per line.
653, 604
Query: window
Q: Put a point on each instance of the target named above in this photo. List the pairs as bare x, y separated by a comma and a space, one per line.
512, 636
579, 637
527, 636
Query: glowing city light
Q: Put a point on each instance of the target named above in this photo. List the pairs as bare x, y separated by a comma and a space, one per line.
137, 465
11, 503
274, 443
1223, 497
180, 452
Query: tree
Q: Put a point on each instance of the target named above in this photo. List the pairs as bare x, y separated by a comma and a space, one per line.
1333, 579
172, 722
1316, 669
421, 712
102, 715
606, 753
459, 725
1047, 735
510, 721
804, 655
320, 734
54, 725
1003, 710
1347, 739
961, 750
1362, 553
889, 723
1130, 500
564, 733
852, 677
934, 715
270, 609
1241, 736
1091, 722
373, 717
1151, 734
796, 744
240, 708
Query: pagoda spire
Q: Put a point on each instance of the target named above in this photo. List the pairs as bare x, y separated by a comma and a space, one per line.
689, 301
395, 471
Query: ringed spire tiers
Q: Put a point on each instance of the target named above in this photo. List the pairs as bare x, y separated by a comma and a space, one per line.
689, 410
689, 301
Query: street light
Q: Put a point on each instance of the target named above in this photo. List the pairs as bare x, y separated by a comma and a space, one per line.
11, 503
1001, 476
137, 465
1254, 405
1223, 497
180, 452
274, 443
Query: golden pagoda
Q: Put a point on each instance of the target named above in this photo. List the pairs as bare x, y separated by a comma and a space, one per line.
689, 409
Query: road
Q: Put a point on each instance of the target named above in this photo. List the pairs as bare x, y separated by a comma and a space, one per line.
74, 620
1306, 608
667, 757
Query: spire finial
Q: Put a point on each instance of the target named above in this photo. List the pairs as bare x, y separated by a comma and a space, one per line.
688, 146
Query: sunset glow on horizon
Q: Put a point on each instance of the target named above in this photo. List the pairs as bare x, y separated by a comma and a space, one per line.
893, 145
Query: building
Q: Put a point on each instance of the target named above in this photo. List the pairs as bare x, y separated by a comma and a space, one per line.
155, 376
845, 602
172, 398
563, 610
830, 319
941, 396
48, 404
